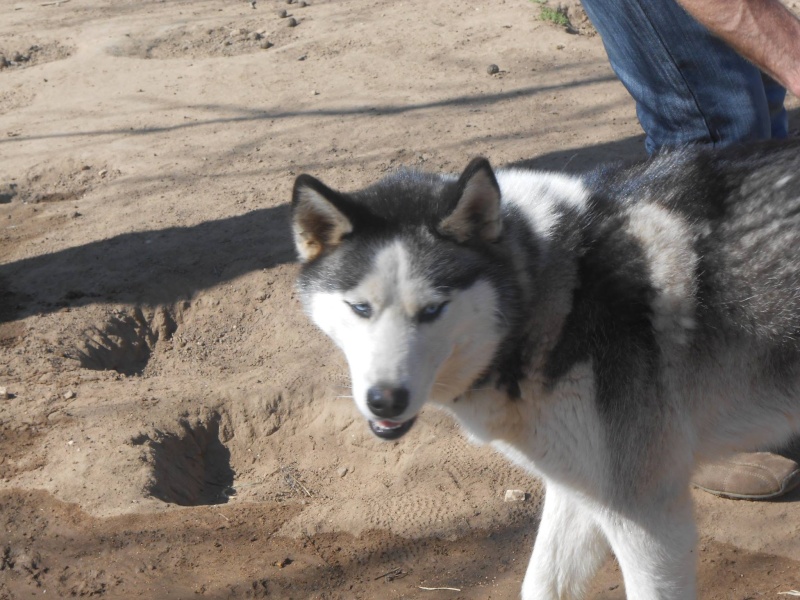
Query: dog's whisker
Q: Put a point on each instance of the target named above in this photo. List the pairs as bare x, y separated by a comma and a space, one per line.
444, 385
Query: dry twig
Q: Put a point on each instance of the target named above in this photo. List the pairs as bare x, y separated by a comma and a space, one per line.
438, 588
293, 481
396, 573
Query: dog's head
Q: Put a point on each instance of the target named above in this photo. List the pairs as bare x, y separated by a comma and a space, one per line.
404, 276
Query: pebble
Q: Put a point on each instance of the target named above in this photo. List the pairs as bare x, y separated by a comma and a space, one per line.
266, 44
4, 62
291, 22
342, 472
282, 13
69, 395
492, 69
254, 35
514, 496
4, 395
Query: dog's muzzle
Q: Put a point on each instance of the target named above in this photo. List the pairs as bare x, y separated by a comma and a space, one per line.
387, 403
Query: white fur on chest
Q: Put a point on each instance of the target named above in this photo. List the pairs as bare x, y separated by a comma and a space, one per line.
555, 433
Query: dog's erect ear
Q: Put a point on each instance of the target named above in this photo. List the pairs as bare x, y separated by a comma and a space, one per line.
477, 213
317, 223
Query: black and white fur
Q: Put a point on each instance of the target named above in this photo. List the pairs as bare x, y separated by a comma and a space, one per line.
606, 332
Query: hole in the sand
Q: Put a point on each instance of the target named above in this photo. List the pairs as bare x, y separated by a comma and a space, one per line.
195, 42
192, 467
125, 342
60, 181
28, 55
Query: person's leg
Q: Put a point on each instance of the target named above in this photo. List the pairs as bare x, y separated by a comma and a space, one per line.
689, 86
779, 119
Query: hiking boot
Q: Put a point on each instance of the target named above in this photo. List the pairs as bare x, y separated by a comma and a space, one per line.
749, 476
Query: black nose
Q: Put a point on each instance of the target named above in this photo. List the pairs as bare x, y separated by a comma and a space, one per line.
387, 402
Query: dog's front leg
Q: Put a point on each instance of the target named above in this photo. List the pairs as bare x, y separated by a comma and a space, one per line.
569, 549
655, 549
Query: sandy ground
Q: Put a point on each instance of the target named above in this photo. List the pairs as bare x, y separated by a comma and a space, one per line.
172, 426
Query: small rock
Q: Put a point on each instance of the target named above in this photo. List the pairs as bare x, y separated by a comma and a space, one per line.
302, 4
314, 93
4, 395
560, 47
265, 44
342, 472
492, 69
69, 395
289, 1
253, 3
514, 496
302, 58
103, 172
4, 62
291, 22
254, 35
282, 13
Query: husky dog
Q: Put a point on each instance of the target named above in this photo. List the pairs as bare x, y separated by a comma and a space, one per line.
606, 333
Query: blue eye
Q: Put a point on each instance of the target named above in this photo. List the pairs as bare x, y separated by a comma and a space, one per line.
431, 312
362, 309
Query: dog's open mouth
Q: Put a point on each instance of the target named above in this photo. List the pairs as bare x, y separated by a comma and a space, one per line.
389, 430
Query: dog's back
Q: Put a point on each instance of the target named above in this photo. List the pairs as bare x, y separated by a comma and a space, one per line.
687, 302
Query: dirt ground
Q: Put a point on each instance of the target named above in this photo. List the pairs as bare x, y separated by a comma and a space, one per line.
171, 426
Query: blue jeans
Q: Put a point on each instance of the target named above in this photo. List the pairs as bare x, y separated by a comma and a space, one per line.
689, 86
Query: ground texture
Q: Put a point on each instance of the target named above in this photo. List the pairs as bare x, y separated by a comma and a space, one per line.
171, 426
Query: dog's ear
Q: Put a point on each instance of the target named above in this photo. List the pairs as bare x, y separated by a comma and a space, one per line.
477, 212
317, 223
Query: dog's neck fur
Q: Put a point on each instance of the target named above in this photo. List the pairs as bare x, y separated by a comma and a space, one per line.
540, 288
516, 407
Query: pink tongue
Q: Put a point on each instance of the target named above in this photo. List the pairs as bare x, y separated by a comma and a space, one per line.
388, 424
